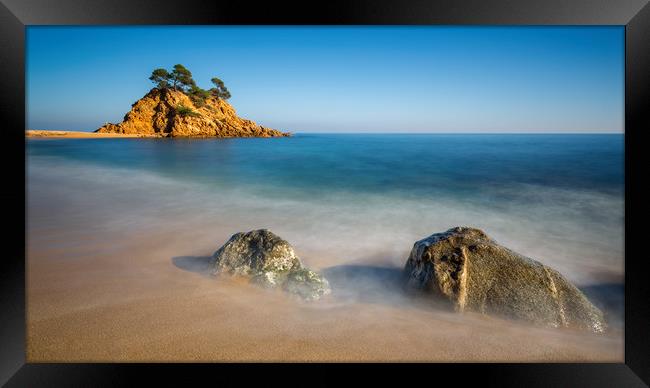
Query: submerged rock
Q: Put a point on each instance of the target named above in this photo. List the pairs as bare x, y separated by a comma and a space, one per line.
307, 284
269, 261
473, 272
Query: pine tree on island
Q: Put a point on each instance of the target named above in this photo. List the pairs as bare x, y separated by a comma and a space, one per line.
180, 79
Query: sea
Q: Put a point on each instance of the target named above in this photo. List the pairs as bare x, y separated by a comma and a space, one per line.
341, 199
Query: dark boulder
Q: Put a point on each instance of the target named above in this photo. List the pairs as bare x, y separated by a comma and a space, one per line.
473, 272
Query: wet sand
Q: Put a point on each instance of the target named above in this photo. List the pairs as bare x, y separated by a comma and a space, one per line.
136, 302
78, 134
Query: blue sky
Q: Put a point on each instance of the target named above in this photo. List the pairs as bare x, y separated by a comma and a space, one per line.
341, 79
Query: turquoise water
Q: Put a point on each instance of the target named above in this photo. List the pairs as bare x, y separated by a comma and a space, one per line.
345, 198
415, 165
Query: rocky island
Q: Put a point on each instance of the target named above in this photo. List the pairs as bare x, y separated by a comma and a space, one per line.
177, 107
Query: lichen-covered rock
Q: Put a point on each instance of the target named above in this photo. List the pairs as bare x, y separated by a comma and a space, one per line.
255, 253
307, 284
269, 279
269, 261
473, 272
159, 113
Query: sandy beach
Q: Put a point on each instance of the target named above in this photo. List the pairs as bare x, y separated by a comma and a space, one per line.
77, 134
136, 303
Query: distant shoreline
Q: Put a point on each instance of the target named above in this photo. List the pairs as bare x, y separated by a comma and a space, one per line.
96, 135
79, 134
54, 134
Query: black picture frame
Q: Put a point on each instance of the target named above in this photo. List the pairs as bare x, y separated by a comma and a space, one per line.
15, 15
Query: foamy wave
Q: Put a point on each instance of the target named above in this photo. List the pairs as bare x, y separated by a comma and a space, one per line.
578, 232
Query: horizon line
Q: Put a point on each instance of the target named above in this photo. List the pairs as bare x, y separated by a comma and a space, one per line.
410, 133
465, 133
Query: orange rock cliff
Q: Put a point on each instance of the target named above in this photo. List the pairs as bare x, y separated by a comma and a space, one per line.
170, 113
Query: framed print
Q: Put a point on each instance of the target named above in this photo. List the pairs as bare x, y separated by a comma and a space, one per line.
389, 191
